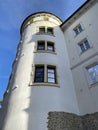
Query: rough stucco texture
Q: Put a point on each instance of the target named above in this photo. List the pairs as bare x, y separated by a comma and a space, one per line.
68, 121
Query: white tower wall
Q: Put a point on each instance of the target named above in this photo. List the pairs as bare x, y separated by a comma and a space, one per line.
29, 103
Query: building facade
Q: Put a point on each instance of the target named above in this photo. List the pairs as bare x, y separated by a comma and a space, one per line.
53, 84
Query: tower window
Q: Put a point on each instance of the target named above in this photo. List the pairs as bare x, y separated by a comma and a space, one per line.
46, 46
39, 74
46, 30
41, 45
93, 73
41, 29
50, 31
78, 29
84, 45
50, 46
51, 75
45, 74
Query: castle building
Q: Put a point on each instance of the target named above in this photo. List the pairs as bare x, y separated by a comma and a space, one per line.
54, 79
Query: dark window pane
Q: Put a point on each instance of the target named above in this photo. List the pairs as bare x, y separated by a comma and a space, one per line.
86, 44
42, 29
41, 45
80, 28
76, 31
82, 47
39, 74
50, 30
50, 46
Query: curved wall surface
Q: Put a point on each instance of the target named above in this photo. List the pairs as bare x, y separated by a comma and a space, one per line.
42, 46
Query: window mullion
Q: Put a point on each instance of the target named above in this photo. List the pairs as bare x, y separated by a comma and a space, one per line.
45, 73
45, 29
45, 45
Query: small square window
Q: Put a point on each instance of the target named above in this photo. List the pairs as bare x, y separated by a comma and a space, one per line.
93, 74
45, 74
84, 45
78, 29
50, 46
50, 31
42, 30
41, 45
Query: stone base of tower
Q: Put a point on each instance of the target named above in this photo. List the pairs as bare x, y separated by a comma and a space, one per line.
69, 121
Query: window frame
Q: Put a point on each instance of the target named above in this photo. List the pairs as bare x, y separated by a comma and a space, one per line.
92, 80
46, 44
46, 30
42, 32
45, 82
77, 29
38, 72
85, 48
38, 44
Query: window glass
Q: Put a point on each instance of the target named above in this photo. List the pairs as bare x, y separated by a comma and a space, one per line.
93, 74
50, 46
78, 29
41, 45
51, 75
42, 29
41, 71
84, 45
50, 30
39, 74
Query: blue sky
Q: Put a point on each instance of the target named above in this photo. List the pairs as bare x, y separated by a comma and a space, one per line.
12, 14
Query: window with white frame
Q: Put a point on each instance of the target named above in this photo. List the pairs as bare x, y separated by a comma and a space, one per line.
46, 30
78, 29
47, 46
93, 73
45, 74
84, 45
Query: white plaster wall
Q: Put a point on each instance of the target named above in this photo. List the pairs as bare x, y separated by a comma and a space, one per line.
89, 22
87, 95
29, 105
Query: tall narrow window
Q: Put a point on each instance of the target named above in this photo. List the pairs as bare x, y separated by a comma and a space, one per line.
46, 30
41, 45
50, 46
93, 74
39, 74
51, 75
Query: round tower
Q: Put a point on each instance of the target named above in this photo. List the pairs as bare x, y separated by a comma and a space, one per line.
41, 80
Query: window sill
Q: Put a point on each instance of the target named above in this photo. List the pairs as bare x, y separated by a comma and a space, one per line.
45, 34
44, 84
44, 51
